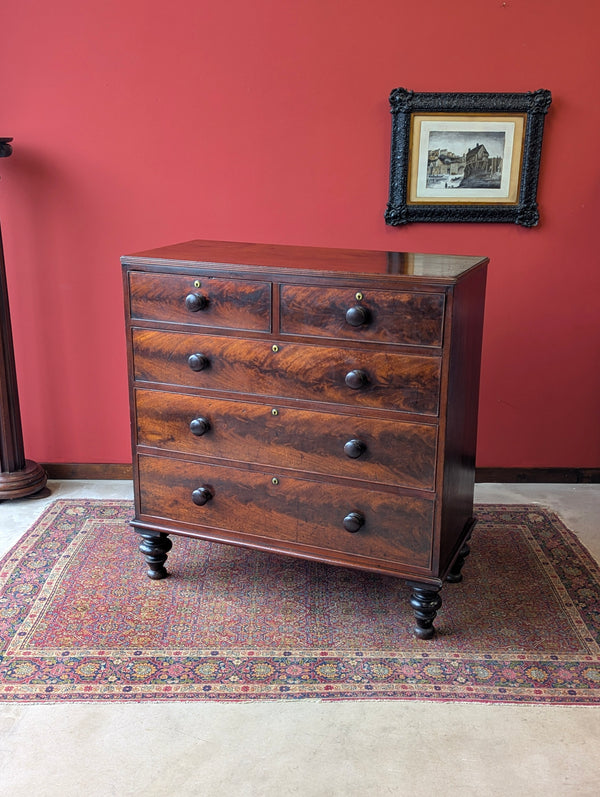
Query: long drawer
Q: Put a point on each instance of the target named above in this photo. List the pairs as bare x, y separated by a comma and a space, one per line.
410, 318
388, 452
204, 301
269, 505
375, 379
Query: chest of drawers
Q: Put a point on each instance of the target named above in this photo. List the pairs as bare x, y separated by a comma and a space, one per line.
318, 403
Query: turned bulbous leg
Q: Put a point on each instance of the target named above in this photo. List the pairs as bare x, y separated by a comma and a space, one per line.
455, 574
155, 548
425, 601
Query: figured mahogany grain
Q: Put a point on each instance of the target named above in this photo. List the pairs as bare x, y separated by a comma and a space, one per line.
397, 528
229, 303
391, 316
395, 381
396, 453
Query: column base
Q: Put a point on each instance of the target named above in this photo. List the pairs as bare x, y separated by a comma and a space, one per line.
21, 483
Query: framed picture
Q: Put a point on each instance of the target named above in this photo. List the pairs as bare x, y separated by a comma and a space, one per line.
465, 157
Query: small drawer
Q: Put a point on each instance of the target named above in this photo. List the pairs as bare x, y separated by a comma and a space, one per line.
200, 301
388, 452
413, 319
214, 501
375, 379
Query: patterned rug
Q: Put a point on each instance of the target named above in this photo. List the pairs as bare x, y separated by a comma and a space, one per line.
79, 619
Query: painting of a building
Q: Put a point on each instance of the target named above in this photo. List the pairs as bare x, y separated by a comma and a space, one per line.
460, 160
481, 171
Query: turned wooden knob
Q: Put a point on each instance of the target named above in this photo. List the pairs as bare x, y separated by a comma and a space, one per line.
195, 302
198, 362
356, 379
201, 496
199, 426
354, 449
353, 522
357, 316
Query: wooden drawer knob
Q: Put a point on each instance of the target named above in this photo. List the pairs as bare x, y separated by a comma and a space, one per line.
354, 449
201, 496
198, 362
195, 302
357, 316
199, 426
353, 522
356, 379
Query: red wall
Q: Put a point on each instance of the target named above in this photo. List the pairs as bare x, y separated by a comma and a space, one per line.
140, 123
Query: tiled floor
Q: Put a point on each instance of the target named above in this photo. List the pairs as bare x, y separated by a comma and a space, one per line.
305, 748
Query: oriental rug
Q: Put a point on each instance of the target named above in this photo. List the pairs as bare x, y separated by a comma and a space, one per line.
80, 621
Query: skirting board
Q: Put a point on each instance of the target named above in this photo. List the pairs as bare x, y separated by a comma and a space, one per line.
65, 471
539, 475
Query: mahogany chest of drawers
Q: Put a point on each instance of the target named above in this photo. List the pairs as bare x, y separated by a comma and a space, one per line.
319, 403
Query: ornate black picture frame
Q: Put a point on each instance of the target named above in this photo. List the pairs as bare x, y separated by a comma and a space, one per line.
465, 157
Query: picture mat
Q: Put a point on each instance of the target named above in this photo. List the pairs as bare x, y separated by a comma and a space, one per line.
422, 125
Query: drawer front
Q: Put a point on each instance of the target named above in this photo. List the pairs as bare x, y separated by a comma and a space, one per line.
249, 504
379, 379
384, 316
203, 302
361, 448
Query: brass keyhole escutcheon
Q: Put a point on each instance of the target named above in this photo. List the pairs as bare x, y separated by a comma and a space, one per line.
197, 284
359, 297
275, 348
274, 412
274, 480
